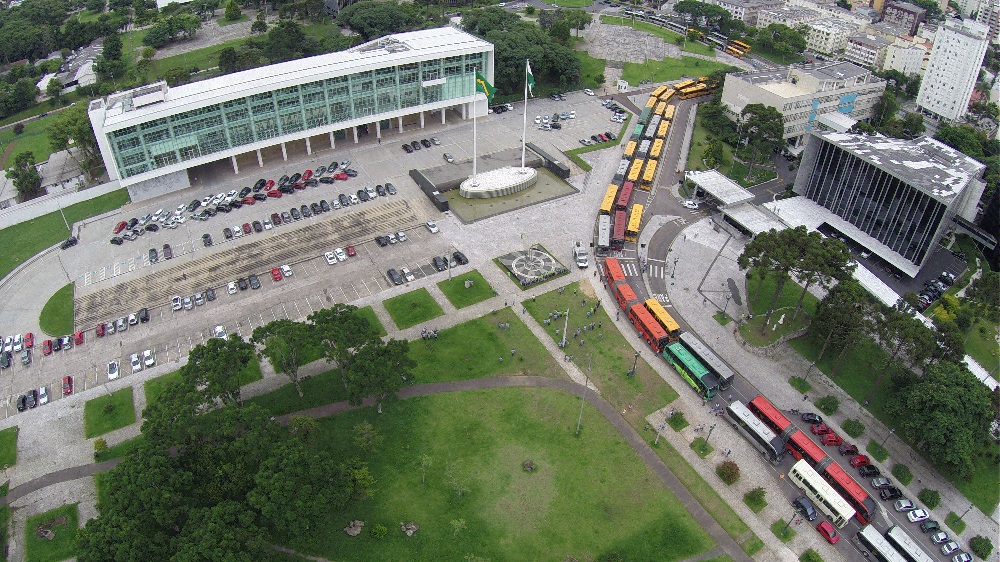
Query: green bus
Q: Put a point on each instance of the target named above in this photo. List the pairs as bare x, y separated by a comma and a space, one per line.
697, 375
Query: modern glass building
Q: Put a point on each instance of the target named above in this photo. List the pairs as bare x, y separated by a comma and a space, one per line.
155, 131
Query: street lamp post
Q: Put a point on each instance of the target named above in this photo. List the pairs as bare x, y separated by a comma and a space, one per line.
635, 363
704, 446
728, 296
966, 512
891, 431
659, 432
565, 327
790, 519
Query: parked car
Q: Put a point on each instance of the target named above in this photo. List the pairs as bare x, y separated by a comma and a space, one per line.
449, 158
820, 429
804, 506
148, 359
206, 239
917, 515
136, 363
828, 532
881, 483
939, 538
860, 460
848, 449
331, 258
890, 493
67, 385
950, 547
254, 282
168, 252
405, 272
394, 275
869, 471
439, 263
929, 526
276, 274
831, 439
460, 258
432, 227
112, 370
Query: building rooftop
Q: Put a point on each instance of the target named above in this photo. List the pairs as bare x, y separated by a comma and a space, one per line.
869, 41
755, 219
907, 6
779, 81
720, 187
832, 24
793, 12
928, 165
157, 100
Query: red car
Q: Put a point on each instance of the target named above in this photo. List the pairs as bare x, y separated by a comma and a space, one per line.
828, 532
351, 251
275, 219
848, 449
47, 347
246, 228
29, 340
168, 252
821, 429
269, 185
274, 193
249, 200
299, 185
67, 385
340, 176
120, 227
78, 338
100, 330
276, 274
860, 460
307, 174
831, 439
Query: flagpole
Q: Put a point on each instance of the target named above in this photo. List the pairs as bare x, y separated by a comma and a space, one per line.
524, 131
474, 153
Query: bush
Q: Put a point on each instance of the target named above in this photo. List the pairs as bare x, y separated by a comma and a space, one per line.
902, 473
755, 499
981, 546
729, 472
379, 531
529, 10
109, 407
854, 428
18, 128
877, 451
930, 498
810, 556
800, 384
677, 421
828, 405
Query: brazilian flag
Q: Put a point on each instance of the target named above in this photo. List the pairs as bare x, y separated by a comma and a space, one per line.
485, 87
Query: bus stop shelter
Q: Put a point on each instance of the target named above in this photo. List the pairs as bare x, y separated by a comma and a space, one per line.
719, 187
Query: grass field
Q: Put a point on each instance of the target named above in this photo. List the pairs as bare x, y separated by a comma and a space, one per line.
410, 309
8, 447
324, 388
590, 496
775, 57
667, 35
223, 22
63, 546
781, 319
155, 387
699, 144
668, 69
120, 450
34, 139
591, 69
98, 421
460, 296
207, 57
368, 313
4, 528
575, 153
56, 318
22, 241
983, 347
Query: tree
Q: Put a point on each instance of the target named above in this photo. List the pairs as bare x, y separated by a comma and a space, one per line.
177, 75
842, 317
258, 27
282, 342
342, 332
285, 39
781, 39
303, 427
366, 437
216, 368
229, 60
548, 18
54, 90
902, 334
372, 20
763, 127
109, 65
578, 19
774, 252
25, 177
824, 260
560, 32
224, 532
233, 11
380, 370
884, 109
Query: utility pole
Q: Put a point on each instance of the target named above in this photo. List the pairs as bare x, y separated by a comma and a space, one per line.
583, 399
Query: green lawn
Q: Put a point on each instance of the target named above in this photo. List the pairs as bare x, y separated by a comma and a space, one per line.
461, 296
983, 347
63, 546
120, 450
155, 387
207, 57
590, 496
738, 173
699, 144
4, 528
8, 447
410, 309
57, 314
667, 35
22, 241
775, 57
668, 69
37, 109
98, 421
784, 309
33, 139
225, 21
87, 15
324, 388
591, 69
368, 313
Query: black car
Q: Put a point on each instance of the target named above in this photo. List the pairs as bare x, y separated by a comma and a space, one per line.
223, 208
295, 177
362, 195
345, 201
287, 189
305, 211
407, 148
257, 226
143, 315
152, 227
397, 279
117, 241
210, 211
439, 263
382, 241
324, 206
22, 403
311, 182
246, 191
210, 294
254, 282
32, 398
610, 135
153, 256
260, 196
132, 222
460, 258
326, 179
869, 471
426, 143
315, 208
319, 171
259, 185
555, 125
351, 173
228, 233
891, 493
390, 188
286, 217
415, 145
68, 243
235, 204
595, 138
4, 359
242, 283
810, 417
380, 190
283, 180
805, 507
192, 206
206, 239
296, 215
929, 526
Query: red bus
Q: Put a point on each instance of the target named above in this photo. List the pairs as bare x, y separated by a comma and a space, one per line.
851, 491
625, 195
770, 415
648, 327
625, 295
618, 232
801, 447
613, 273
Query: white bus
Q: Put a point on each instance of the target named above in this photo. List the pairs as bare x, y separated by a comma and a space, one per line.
876, 546
906, 546
826, 499
756, 432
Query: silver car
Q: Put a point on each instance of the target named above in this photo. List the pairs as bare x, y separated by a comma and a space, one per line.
188, 303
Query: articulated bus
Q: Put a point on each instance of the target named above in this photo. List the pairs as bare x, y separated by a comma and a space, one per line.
863, 504
684, 84
876, 545
630, 149
603, 234
905, 545
613, 273
638, 130
610, 197
635, 170
735, 52
670, 325
661, 133
668, 113
625, 296
647, 326
657, 148
667, 95
618, 231
755, 431
644, 116
634, 221
660, 108
651, 102
648, 175
691, 370
659, 92
771, 417
699, 90
803, 448
624, 196
710, 359
740, 45
822, 495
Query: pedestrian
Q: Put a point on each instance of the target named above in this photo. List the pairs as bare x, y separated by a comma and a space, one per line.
581, 343
595, 273
505, 304
583, 302
600, 336
781, 476
574, 292
600, 324
617, 315
524, 310
571, 358
380, 140
805, 397
512, 352
730, 397
532, 299
501, 359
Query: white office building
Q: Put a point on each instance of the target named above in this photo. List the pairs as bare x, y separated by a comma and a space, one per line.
829, 35
151, 136
989, 15
904, 56
866, 50
959, 49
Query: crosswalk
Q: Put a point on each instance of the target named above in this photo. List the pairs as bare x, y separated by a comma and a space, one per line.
631, 269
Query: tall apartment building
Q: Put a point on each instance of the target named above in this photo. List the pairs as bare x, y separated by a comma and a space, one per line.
959, 49
989, 15
866, 50
788, 15
894, 197
829, 35
803, 93
905, 15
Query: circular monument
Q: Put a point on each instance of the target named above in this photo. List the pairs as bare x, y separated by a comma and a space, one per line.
499, 182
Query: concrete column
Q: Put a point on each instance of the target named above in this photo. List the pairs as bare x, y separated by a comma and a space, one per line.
309, 148
400, 125
442, 116
378, 130
355, 128
284, 152
333, 141
421, 119
236, 167
465, 111
260, 159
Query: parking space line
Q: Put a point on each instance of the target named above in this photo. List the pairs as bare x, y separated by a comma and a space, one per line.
298, 313
285, 310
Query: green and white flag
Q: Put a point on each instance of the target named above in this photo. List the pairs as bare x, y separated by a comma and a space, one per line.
485, 87
531, 80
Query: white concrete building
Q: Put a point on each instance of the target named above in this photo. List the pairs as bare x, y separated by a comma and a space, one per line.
951, 75
866, 50
803, 93
746, 10
989, 15
829, 35
788, 15
152, 136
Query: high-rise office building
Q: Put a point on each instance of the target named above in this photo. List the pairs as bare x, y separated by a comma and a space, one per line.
957, 56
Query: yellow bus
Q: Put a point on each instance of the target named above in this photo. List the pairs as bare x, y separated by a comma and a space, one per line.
666, 320
740, 45
648, 175
667, 95
635, 170
651, 103
658, 92
660, 108
699, 90
654, 153
735, 52
630, 149
609, 200
668, 113
632, 230
685, 84
661, 133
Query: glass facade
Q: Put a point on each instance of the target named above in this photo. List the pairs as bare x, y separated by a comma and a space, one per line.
200, 132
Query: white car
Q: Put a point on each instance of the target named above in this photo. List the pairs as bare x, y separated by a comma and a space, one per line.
237, 231
331, 258
206, 201
341, 254
136, 363
180, 219
8, 344
267, 224
689, 204
175, 303
219, 332
18, 342
405, 272
401, 236
231, 288
588, 91
188, 303
43, 395
950, 547
232, 193
538, 119
905, 505
572, 114
286, 270
133, 319
545, 119
113, 370
148, 359
180, 209
432, 226
917, 515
